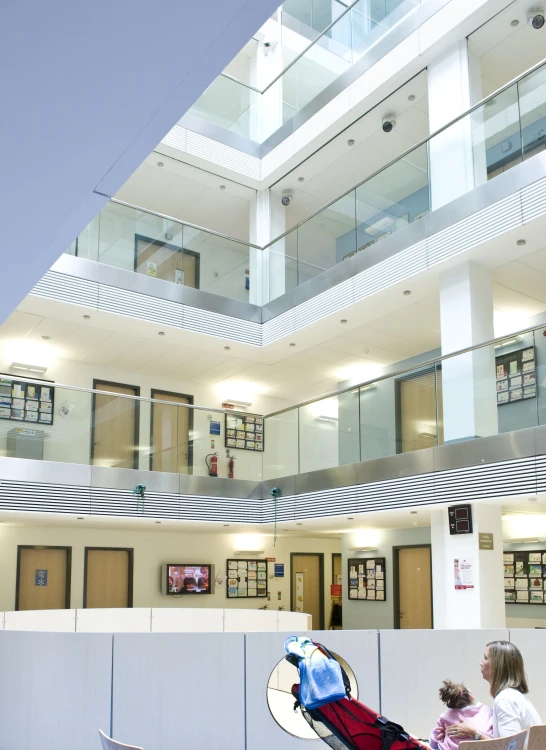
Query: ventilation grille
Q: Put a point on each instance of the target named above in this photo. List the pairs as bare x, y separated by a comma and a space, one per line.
390, 271
533, 199
278, 327
141, 306
216, 324
70, 289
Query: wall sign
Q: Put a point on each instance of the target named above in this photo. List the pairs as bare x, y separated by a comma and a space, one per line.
214, 428
463, 573
244, 432
40, 578
279, 570
26, 402
485, 541
246, 579
515, 376
525, 577
367, 578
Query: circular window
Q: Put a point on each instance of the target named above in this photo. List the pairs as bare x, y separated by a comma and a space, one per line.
281, 701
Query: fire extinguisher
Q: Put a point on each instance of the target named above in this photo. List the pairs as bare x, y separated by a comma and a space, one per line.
212, 465
231, 467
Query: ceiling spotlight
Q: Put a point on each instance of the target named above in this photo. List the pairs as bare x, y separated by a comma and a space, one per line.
343, 320
161, 333
158, 521
407, 292
535, 18
45, 338
515, 22
520, 243
411, 98
227, 348
81, 518
86, 317
350, 518
413, 512
222, 187
299, 524
301, 179
351, 142
159, 163
226, 525
291, 345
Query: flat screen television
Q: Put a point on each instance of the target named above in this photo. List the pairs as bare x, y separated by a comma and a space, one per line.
187, 578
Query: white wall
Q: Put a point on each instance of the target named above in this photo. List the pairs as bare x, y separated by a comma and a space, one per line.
69, 440
152, 548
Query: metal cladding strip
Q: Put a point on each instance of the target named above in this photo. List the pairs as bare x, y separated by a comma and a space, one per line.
401, 266
533, 200
216, 324
279, 326
472, 231
70, 289
141, 306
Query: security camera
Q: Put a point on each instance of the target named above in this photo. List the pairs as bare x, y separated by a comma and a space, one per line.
389, 121
286, 198
535, 18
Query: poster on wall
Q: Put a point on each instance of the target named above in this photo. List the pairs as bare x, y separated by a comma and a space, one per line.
26, 402
246, 579
366, 576
515, 376
244, 431
463, 573
299, 592
525, 577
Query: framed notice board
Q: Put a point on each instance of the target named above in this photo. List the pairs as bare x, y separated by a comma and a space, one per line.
246, 579
525, 577
26, 402
515, 376
245, 432
367, 580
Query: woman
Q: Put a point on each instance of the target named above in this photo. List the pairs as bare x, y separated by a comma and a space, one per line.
502, 667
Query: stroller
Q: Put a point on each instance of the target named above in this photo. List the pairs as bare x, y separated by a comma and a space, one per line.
343, 722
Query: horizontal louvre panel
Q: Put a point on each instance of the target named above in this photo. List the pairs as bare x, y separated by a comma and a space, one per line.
277, 327
390, 271
141, 306
66, 288
324, 304
216, 324
533, 200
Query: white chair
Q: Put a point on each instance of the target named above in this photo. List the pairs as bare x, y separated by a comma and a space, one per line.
109, 744
512, 742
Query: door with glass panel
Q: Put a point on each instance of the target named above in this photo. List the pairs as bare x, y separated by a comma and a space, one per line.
419, 411
171, 448
115, 426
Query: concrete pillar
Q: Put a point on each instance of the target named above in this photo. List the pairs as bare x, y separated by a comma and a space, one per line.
468, 380
483, 605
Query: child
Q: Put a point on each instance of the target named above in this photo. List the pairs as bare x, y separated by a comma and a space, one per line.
461, 706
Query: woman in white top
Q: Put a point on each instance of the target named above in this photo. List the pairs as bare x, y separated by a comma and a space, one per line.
502, 667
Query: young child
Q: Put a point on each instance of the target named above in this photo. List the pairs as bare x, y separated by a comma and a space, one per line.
461, 706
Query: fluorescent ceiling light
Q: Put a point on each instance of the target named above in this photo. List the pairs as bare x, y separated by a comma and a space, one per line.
509, 342
249, 552
236, 402
324, 418
380, 226
34, 369
528, 540
363, 549
368, 387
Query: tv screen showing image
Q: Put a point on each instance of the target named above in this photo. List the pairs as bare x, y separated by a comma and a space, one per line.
183, 578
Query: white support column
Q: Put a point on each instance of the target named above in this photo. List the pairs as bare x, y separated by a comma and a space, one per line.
468, 380
483, 605
267, 268
450, 152
266, 112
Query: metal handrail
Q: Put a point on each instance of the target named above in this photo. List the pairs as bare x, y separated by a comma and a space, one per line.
410, 150
412, 368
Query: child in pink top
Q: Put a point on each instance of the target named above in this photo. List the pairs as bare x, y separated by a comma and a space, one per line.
461, 706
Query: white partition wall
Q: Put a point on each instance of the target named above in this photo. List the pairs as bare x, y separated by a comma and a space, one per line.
171, 620
414, 663
264, 651
55, 690
179, 690
532, 644
47, 620
137, 620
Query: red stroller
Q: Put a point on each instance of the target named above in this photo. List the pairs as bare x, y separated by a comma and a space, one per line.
347, 724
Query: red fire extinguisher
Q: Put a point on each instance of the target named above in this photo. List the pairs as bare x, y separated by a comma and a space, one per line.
212, 465
231, 467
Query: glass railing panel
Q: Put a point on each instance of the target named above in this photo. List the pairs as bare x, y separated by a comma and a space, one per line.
392, 199
327, 238
225, 103
378, 420
281, 445
217, 265
309, 18
532, 106
418, 421
281, 275
86, 244
516, 362
319, 435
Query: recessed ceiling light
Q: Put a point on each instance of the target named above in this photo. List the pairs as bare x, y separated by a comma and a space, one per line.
291, 345
159, 163
407, 292
81, 518
158, 521
515, 22
350, 518
161, 333
343, 320
86, 317
45, 338
299, 524
222, 187
227, 348
411, 98
413, 512
301, 179
351, 142
226, 524
521, 242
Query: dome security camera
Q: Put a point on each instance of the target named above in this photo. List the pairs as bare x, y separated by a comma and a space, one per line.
535, 18
286, 198
389, 122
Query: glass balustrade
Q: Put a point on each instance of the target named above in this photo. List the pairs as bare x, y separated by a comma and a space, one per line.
317, 42
490, 390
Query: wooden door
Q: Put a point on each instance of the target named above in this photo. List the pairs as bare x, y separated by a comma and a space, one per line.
170, 438
420, 423
43, 578
164, 261
336, 567
108, 578
115, 426
307, 586
414, 587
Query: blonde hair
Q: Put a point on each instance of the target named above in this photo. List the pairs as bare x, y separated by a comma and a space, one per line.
455, 695
507, 670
